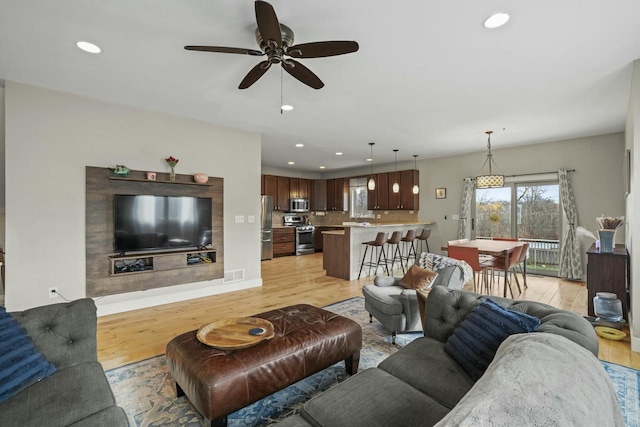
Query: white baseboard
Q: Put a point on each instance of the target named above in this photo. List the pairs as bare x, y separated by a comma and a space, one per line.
121, 303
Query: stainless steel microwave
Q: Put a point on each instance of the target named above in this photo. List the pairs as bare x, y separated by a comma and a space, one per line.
298, 205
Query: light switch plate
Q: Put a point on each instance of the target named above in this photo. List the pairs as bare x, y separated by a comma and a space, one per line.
455, 216
239, 218
251, 218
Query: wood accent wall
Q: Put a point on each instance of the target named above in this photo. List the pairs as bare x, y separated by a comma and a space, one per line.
99, 232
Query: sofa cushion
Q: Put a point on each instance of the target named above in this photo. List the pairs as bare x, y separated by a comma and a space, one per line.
426, 366
417, 278
540, 380
373, 397
21, 364
475, 341
70, 395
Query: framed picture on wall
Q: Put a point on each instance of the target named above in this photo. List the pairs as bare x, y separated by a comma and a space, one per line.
441, 193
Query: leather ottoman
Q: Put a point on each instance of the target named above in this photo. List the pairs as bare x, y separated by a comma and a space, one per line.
307, 339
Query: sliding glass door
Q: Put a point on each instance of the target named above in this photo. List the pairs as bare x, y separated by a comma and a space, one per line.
528, 211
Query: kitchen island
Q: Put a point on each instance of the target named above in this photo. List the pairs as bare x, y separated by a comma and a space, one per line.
344, 249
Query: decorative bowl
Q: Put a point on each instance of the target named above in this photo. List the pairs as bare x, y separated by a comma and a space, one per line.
201, 178
610, 333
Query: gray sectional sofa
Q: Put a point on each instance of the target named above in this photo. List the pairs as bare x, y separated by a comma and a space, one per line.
547, 377
78, 393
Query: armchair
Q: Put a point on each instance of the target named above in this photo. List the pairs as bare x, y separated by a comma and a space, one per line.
396, 307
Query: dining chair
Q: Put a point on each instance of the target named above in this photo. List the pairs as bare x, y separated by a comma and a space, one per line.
522, 259
471, 257
498, 264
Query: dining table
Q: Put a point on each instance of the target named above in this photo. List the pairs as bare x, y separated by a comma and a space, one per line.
496, 248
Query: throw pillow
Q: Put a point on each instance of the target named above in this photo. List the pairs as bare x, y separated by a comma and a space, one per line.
21, 364
474, 343
418, 278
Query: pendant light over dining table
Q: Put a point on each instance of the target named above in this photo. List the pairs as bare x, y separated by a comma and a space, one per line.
491, 180
371, 185
396, 184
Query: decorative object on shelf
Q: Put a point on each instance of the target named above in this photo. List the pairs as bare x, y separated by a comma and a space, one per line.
441, 193
201, 178
121, 171
491, 180
151, 176
371, 185
172, 162
607, 232
416, 188
396, 184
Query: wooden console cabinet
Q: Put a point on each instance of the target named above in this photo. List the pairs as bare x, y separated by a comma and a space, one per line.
608, 272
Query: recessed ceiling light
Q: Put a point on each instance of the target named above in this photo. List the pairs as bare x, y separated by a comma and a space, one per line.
287, 107
338, 153
496, 20
322, 167
88, 47
299, 145
369, 160
291, 163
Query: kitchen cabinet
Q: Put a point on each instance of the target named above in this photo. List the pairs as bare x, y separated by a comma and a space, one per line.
318, 195
404, 199
298, 188
378, 199
278, 188
337, 194
318, 237
608, 272
284, 241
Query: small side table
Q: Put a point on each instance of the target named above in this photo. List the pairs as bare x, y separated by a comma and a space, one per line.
608, 272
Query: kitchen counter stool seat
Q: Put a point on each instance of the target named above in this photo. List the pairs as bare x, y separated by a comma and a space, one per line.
377, 246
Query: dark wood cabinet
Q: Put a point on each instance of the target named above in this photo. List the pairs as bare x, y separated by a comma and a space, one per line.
278, 188
284, 241
404, 199
318, 237
337, 195
298, 188
318, 195
608, 272
378, 199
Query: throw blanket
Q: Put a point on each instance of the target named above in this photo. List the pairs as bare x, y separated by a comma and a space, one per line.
539, 379
435, 262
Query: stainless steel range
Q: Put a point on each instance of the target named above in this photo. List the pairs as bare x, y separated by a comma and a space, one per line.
304, 233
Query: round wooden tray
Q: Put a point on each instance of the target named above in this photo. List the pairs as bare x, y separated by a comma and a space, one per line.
233, 334
610, 333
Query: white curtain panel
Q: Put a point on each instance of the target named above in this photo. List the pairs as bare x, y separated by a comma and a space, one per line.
570, 256
464, 231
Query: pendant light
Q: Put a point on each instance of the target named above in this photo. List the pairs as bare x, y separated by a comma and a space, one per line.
396, 185
415, 189
371, 185
491, 180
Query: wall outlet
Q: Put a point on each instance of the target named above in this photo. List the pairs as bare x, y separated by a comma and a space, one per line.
239, 218
251, 218
378, 216
455, 216
53, 293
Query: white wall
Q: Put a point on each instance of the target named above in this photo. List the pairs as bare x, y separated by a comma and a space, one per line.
597, 181
2, 167
51, 136
632, 142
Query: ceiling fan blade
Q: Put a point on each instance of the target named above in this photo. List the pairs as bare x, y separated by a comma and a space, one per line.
268, 24
322, 49
255, 73
219, 49
302, 73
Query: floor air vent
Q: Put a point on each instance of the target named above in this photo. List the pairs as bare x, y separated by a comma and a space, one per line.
233, 276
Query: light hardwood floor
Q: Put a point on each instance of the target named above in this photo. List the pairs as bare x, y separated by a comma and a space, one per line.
137, 335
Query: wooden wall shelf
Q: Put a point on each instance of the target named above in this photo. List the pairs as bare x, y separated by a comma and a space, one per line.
159, 261
158, 181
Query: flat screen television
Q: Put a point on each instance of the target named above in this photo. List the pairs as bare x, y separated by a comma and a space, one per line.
147, 222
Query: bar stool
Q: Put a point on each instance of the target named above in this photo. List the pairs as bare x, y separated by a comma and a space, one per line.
407, 247
377, 246
396, 236
423, 236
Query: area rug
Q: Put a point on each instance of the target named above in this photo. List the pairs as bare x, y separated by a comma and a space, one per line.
147, 391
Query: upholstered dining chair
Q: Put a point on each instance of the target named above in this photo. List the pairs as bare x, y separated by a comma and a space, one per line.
498, 264
471, 257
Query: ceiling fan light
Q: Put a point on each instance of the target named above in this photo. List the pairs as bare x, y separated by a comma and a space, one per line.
396, 187
371, 185
496, 20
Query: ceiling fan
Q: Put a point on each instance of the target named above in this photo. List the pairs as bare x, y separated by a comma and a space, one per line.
276, 42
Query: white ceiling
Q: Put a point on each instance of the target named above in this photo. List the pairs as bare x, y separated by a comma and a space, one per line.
428, 78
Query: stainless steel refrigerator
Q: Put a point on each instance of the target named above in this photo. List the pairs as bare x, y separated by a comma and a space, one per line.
266, 231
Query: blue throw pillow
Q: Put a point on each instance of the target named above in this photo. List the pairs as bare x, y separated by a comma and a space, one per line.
21, 364
475, 341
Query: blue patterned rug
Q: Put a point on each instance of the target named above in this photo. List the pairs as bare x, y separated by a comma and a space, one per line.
147, 391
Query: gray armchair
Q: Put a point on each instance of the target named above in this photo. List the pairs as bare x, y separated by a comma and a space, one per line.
396, 307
